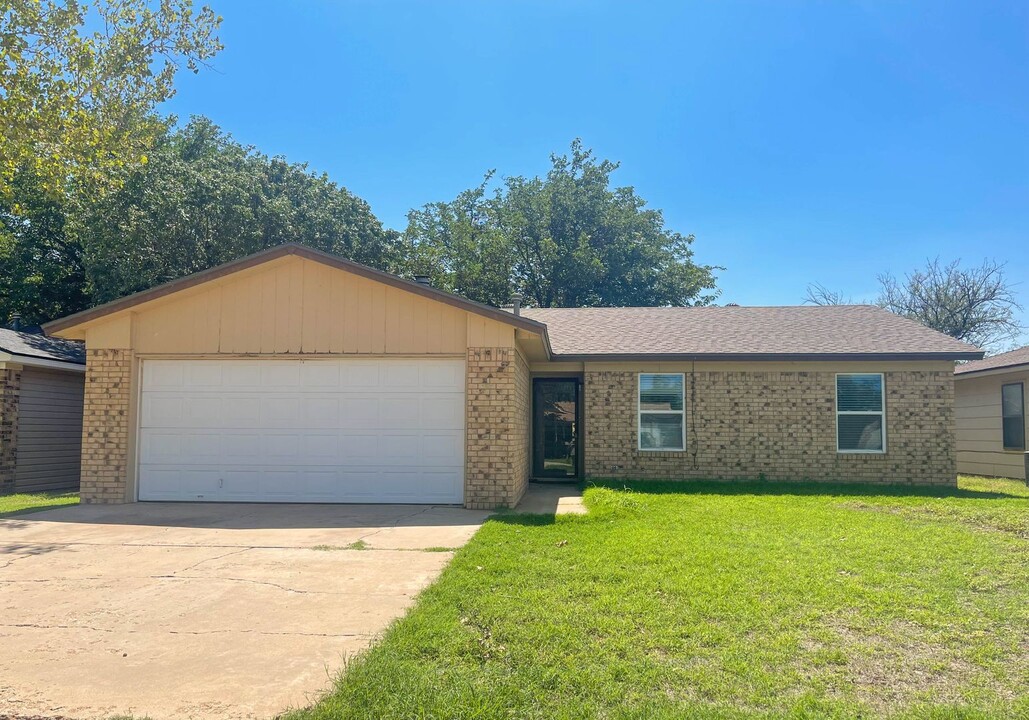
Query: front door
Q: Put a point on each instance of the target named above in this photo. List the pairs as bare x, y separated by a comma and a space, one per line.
555, 413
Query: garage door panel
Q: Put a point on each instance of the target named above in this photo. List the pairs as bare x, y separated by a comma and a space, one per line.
320, 376
348, 430
359, 376
158, 483
320, 411
281, 375
443, 412
279, 412
158, 376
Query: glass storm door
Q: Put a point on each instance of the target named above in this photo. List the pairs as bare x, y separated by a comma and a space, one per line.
555, 414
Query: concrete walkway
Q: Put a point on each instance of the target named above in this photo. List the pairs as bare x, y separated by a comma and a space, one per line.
552, 499
179, 610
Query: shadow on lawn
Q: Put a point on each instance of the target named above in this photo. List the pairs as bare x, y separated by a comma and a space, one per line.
757, 487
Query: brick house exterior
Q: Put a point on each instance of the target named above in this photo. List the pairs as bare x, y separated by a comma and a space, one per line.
758, 390
774, 425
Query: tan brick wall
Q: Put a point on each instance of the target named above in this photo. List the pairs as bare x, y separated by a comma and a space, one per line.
10, 388
522, 402
496, 465
105, 426
774, 425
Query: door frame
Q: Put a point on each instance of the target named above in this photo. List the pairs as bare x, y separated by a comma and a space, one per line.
536, 444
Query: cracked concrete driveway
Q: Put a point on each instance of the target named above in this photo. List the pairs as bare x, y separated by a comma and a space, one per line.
179, 610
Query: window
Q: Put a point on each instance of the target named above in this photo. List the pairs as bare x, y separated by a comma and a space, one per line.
1012, 401
662, 420
860, 416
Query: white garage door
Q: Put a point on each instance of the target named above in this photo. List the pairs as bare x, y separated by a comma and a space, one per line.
369, 430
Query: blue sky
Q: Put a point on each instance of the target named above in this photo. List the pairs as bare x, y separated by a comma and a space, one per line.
798, 141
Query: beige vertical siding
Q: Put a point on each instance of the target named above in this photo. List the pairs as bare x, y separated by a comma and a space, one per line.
49, 430
980, 444
292, 305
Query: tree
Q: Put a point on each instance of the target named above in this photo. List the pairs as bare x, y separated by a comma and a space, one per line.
974, 304
202, 200
819, 294
79, 81
43, 274
568, 239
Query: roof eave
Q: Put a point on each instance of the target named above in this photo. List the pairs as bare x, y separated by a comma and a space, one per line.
1014, 367
789, 357
183, 283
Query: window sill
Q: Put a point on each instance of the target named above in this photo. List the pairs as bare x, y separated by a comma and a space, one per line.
860, 452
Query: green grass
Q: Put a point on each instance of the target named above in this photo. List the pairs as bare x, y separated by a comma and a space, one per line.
32, 502
720, 601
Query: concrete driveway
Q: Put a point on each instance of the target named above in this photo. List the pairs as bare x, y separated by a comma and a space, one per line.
179, 610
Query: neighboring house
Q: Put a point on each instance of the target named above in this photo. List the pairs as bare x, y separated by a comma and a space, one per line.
991, 407
297, 376
41, 385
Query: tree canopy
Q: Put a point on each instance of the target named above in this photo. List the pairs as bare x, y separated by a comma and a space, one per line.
568, 239
79, 81
203, 199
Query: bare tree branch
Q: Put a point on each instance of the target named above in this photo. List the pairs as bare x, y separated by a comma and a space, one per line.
976, 304
819, 294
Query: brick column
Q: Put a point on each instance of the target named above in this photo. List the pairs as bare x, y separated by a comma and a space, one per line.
10, 390
495, 466
105, 427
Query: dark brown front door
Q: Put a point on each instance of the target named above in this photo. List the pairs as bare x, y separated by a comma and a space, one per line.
555, 416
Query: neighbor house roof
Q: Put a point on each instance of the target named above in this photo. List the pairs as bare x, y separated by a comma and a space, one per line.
309, 254
33, 345
734, 332
1006, 360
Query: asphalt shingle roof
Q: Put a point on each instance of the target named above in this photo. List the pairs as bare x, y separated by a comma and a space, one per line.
803, 330
995, 362
41, 346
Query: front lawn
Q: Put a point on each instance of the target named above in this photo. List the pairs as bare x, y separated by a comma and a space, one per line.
720, 601
29, 502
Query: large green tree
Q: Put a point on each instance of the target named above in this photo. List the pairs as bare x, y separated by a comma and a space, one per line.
568, 239
79, 80
203, 199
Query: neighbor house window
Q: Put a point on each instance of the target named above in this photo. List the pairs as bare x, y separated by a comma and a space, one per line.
662, 421
1012, 400
860, 413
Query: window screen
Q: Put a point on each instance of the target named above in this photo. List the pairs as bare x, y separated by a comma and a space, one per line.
662, 420
1012, 400
860, 413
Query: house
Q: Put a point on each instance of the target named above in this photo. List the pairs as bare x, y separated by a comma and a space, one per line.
296, 376
41, 386
990, 407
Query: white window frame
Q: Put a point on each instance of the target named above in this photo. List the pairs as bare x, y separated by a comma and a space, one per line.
881, 412
640, 412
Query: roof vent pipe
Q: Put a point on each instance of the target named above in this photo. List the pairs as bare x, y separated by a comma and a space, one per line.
16, 321
516, 304
423, 280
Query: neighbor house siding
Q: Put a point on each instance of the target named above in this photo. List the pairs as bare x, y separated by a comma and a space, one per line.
49, 430
10, 388
776, 423
980, 446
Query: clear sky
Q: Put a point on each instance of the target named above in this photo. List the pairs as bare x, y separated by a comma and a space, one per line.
799, 141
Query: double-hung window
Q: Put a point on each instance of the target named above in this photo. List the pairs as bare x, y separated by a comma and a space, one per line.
860, 413
1012, 400
662, 417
